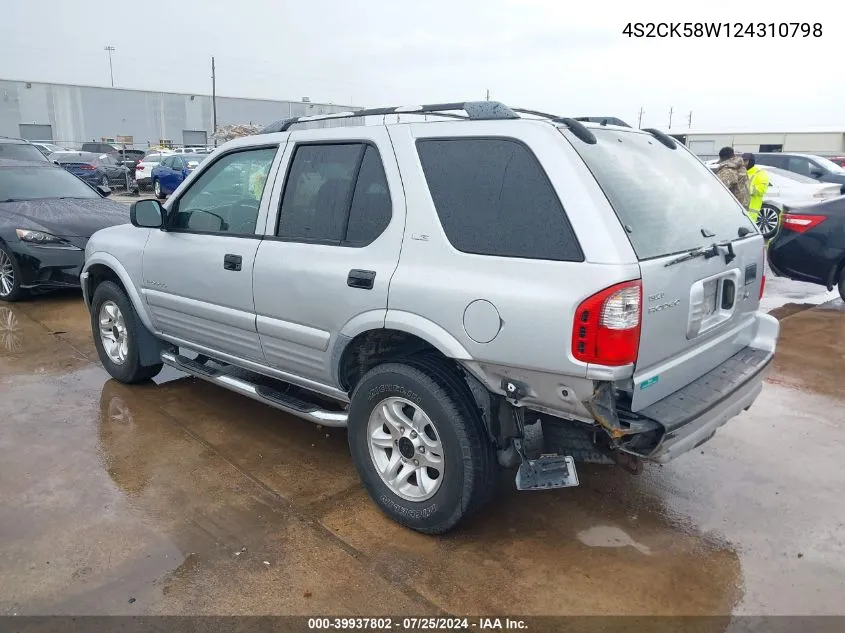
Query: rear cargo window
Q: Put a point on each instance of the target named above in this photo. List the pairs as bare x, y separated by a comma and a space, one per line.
666, 199
493, 198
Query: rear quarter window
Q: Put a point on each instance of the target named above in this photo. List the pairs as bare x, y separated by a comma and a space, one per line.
493, 198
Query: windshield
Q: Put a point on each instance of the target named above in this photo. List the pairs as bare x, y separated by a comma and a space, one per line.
829, 165
74, 157
21, 151
664, 198
33, 183
791, 175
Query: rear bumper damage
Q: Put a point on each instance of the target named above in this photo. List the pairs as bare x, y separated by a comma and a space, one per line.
690, 416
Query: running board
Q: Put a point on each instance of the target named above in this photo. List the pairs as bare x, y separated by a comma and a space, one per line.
267, 395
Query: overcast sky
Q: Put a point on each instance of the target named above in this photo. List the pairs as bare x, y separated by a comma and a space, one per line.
566, 57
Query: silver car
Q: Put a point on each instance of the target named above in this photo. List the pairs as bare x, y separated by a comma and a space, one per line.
494, 288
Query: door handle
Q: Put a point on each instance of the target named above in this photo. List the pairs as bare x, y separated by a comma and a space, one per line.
232, 262
361, 279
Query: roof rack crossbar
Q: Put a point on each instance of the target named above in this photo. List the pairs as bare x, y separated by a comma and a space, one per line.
667, 140
475, 110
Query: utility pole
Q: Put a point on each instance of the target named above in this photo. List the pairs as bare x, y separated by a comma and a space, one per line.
640, 119
213, 101
671, 110
110, 50
689, 120
488, 94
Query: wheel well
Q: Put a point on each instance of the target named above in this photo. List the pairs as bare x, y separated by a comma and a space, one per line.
97, 274
376, 347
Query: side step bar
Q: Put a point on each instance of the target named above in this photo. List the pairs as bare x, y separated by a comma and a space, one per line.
267, 395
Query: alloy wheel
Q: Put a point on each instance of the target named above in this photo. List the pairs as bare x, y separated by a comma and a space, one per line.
406, 449
767, 221
7, 275
113, 333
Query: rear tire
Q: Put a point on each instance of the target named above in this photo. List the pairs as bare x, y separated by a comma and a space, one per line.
159, 193
418, 405
112, 311
104, 182
768, 220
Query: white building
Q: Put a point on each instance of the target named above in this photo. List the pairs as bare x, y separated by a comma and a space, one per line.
70, 115
812, 142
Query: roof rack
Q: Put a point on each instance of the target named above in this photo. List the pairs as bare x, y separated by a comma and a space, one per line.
475, 111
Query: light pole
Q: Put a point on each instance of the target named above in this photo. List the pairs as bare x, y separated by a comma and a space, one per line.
110, 50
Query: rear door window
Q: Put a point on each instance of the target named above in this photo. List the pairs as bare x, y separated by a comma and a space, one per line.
493, 198
665, 199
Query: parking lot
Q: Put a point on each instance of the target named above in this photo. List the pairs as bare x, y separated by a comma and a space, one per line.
181, 498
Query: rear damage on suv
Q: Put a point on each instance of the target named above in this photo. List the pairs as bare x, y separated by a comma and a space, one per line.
684, 346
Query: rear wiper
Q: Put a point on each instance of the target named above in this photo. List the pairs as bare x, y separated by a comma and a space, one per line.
711, 251
696, 252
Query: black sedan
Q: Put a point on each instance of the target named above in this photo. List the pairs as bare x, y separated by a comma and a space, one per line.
96, 169
810, 245
46, 218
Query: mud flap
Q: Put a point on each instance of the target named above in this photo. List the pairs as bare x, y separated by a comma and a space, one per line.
546, 472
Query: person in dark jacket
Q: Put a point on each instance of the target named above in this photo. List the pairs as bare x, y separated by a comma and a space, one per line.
731, 171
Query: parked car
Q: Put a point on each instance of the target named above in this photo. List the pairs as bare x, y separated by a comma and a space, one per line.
46, 218
144, 167
839, 160
48, 148
786, 188
18, 149
170, 172
95, 169
389, 279
811, 244
816, 167
122, 155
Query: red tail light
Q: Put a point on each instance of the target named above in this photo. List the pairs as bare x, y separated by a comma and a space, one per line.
606, 330
86, 167
800, 223
762, 285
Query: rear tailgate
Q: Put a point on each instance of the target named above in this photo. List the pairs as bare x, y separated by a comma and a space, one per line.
700, 257
696, 315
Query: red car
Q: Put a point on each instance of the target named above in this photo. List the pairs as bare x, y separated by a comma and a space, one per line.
839, 160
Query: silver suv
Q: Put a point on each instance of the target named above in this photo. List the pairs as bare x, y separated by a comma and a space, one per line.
494, 288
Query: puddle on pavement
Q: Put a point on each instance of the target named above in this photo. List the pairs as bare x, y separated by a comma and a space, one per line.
609, 536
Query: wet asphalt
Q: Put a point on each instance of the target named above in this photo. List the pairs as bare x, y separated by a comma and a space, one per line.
177, 497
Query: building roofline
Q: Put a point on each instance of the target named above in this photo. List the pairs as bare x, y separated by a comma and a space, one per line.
756, 133
170, 92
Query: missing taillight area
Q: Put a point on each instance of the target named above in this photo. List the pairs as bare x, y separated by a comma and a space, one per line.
606, 330
800, 223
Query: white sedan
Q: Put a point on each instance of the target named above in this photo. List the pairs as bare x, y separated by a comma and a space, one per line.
144, 167
787, 188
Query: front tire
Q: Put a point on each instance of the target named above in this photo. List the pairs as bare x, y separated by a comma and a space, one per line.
114, 325
10, 277
157, 189
419, 445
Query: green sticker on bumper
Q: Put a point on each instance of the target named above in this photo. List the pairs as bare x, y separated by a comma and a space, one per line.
649, 382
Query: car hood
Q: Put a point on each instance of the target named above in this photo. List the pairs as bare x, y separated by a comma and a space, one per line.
64, 218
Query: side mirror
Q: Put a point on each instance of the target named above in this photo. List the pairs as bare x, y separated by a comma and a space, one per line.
146, 214
106, 191
55, 162
816, 173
